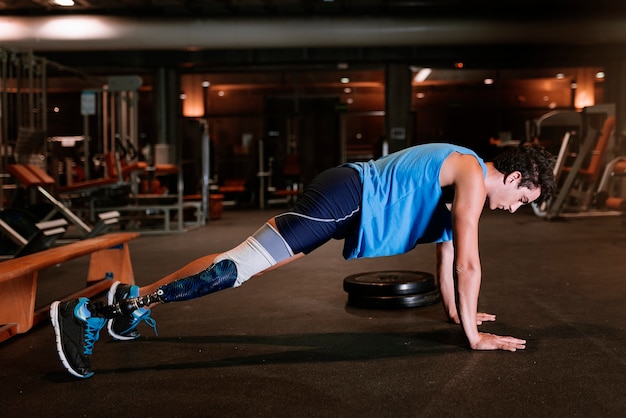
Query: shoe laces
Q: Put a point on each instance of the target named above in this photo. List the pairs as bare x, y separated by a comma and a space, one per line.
151, 322
92, 333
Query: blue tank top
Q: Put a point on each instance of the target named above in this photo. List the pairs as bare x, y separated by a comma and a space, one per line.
402, 203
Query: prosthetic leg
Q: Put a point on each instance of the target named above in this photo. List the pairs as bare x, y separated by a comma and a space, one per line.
264, 249
218, 276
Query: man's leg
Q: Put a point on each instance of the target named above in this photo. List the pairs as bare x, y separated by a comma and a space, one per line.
78, 324
307, 226
129, 305
329, 208
202, 263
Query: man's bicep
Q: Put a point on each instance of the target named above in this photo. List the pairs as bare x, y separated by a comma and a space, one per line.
465, 238
466, 211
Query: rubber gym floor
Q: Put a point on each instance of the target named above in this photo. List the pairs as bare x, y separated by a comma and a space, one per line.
286, 344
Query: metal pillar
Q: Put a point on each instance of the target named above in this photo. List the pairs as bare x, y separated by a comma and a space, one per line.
206, 153
398, 106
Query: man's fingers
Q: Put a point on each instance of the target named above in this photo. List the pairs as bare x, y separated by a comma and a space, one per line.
483, 317
512, 344
499, 342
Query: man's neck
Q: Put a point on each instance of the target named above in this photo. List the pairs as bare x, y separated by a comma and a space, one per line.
494, 178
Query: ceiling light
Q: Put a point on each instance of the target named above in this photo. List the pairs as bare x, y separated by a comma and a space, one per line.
65, 3
344, 80
422, 74
488, 81
560, 76
76, 28
600, 74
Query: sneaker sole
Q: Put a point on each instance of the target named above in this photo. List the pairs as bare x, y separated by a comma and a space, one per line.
54, 311
113, 334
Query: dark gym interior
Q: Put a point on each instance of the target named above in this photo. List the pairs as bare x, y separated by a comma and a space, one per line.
189, 123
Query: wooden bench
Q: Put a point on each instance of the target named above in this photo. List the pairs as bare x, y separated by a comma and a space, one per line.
18, 277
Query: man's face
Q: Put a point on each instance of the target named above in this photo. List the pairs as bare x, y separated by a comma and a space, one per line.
509, 196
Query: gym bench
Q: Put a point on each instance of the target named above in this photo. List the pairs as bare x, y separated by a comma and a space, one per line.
109, 255
32, 176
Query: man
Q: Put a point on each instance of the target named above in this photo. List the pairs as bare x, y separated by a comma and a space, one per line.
423, 194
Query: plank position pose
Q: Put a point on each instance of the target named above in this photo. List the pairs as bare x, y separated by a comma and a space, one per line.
432, 193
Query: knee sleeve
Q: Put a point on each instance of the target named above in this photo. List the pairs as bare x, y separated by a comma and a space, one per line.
273, 243
264, 249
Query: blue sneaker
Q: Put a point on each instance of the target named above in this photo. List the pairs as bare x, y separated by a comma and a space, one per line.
76, 332
123, 328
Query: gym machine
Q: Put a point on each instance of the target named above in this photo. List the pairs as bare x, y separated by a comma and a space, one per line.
612, 188
24, 161
587, 143
26, 236
148, 206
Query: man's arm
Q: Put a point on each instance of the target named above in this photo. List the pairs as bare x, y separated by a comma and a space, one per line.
445, 278
466, 209
469, 198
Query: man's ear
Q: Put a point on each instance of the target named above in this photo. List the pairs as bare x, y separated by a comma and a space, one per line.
513, 177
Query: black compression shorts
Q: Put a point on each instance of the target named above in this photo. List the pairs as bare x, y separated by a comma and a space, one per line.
329, 207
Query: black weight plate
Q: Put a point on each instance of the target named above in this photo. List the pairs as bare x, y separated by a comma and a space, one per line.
394, 302
389, 283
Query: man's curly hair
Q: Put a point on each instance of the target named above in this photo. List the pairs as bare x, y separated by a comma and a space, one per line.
536, 165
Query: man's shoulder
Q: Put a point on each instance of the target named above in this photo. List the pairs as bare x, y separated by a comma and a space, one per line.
462, 168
